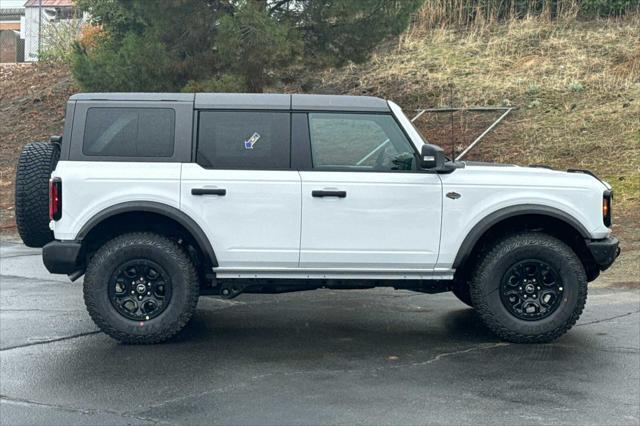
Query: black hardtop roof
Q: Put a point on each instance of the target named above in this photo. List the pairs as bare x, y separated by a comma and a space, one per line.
268, 101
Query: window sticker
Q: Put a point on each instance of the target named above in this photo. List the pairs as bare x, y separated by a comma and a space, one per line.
248, 144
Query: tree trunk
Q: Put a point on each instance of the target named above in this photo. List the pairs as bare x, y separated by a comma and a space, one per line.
255, 84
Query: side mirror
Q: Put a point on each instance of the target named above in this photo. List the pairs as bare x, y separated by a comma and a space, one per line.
432, 157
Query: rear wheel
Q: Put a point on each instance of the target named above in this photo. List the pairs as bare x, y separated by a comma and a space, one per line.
529, 288
141, 288
36, 162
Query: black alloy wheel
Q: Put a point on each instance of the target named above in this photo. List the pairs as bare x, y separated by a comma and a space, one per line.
140, 290
531, 290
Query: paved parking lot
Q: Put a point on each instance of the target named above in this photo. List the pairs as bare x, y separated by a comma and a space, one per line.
323, 357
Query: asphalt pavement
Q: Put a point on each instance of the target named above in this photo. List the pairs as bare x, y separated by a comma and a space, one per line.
321, 357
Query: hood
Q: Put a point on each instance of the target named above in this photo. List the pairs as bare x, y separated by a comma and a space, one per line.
534, 175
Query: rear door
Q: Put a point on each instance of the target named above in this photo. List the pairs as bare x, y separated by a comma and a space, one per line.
365, 206
242, 191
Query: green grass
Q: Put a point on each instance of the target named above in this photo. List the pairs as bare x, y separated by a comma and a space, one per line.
626, 188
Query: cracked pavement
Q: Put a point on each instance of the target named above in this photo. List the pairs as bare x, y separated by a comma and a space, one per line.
322, 357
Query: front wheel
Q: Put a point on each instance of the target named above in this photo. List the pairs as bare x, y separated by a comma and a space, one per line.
141, 288
461, 289
529, 288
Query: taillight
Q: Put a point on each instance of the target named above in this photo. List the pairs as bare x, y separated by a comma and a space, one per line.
606, 207
55, 199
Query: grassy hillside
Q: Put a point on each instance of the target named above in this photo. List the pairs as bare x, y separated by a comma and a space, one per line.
576, 84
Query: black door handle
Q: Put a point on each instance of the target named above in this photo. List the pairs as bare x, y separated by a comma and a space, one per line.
209, 191
325, 193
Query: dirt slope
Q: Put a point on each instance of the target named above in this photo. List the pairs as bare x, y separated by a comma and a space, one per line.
32, 99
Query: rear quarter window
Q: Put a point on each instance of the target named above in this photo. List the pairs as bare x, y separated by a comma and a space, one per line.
129, 132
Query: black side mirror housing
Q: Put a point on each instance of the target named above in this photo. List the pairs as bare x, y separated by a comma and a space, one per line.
432, 157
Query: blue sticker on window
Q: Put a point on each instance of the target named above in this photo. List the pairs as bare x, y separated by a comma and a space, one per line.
248, 144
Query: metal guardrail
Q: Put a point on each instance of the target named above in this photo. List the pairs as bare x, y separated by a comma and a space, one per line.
506, 112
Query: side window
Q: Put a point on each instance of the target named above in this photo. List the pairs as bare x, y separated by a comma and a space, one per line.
129, 132
244, 140
368, 142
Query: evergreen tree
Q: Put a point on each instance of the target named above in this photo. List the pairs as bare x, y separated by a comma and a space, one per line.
227, 44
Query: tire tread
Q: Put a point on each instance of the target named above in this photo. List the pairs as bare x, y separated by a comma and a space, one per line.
161, 243
498, 250
37, 161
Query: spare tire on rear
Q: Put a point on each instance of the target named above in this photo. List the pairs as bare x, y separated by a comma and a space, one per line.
37, 161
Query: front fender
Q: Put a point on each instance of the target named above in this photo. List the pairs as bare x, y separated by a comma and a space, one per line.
491, 194
495, 217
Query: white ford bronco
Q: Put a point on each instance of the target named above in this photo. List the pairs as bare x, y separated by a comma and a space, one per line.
160, 198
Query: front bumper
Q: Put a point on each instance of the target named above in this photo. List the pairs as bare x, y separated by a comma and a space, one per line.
604, 251
62, 257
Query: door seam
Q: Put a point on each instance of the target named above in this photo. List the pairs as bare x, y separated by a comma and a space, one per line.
300, 233
441, 221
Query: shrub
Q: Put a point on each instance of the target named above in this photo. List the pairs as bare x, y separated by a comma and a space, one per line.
136, 63
436, 13
58, 38
226, 83
576, 86
533, 90
607, 7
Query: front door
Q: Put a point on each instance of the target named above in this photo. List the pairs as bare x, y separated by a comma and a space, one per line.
365, 206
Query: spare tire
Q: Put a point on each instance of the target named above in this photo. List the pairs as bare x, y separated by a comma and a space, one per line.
37, 161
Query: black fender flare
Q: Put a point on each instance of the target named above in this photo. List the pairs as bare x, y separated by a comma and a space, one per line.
159, 208
508, 212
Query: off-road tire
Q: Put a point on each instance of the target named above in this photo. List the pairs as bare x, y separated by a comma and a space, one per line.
156, 248
36, 162
486, 279
461, 289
